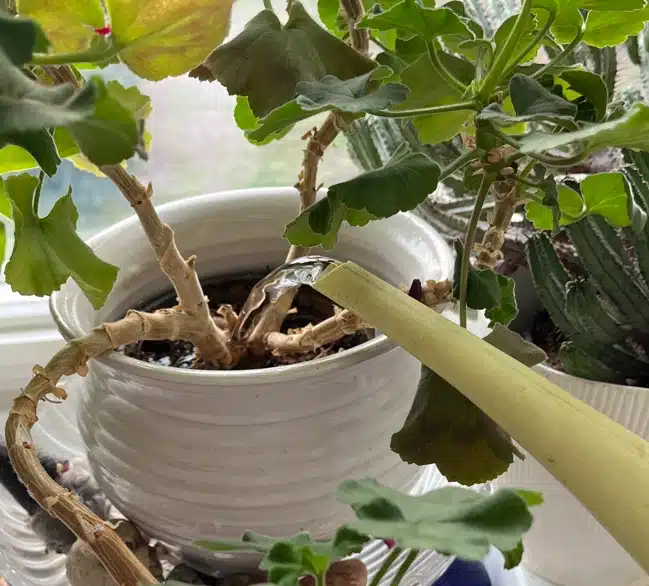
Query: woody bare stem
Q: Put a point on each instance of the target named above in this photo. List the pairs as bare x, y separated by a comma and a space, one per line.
212, 343
165, 324
318, 141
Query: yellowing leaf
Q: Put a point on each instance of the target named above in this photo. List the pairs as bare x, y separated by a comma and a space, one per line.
69, 24
165, 38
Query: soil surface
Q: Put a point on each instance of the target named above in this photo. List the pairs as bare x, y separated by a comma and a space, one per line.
312, 308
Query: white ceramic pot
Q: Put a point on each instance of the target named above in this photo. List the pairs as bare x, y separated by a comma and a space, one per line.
201, 454
566, 545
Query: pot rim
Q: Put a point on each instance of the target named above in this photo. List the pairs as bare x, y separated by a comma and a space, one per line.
544, 367
361, 353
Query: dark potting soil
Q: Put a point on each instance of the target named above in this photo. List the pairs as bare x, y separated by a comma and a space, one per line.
312, 308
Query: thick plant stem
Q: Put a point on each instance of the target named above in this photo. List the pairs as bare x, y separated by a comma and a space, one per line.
536, 40
561, 56
485, 186
113, 553
321, 138
431, 46
498, 67
212, 343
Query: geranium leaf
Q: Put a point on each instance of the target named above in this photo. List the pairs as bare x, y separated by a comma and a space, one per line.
288, 559
47, 251
506, 310
530, 98
162, 39
611, 28
429, 88
15, 158
629, 131
20, 38
69, 24
266, 61
410, 17
591, 86
452, 520
609, 195
110, 134
348, 96
274, 126
400, 185
446, 429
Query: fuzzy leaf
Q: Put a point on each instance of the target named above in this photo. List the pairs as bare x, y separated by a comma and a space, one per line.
446, 429
629, 131
274, 126
289, 559
28, 110
591, 86
569, 205
529, 97
20, 38
429, 88
400, 185
47, 251
110, 134
69, 24
167, 38
410, 17
609, 195
506, 310
348, 96
611, 28
452, 520
267, 60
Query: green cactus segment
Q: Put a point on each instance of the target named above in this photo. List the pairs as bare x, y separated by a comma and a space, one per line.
361, 146
579, 363
550, 280
601, 251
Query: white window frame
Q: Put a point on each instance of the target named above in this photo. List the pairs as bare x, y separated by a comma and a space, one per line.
28, 336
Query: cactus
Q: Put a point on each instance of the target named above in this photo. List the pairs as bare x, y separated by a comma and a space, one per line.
604, 316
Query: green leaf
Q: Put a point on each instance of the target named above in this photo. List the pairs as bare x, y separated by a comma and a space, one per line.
110, 134
47, 251
496, 115
14, 158
131, 98
629, 131
446, 429
69, 24
502, 34
348, 96
267, 60
274, 126
429, 88
328, 11
569, 208
5, 202
167, 38
20, 38
400, 185
530, 98
591, 86
289, 559
611, 28
609, 195
452, 520
513, 557
28, 110
506, 310
411, 17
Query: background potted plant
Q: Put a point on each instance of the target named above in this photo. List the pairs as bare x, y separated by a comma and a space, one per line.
519, 121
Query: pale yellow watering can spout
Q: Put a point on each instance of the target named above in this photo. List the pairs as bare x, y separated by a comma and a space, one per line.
603, 464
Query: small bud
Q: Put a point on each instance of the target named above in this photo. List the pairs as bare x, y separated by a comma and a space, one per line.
104, 31
390, 543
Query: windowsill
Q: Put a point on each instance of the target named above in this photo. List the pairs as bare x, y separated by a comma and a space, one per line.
28, 337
